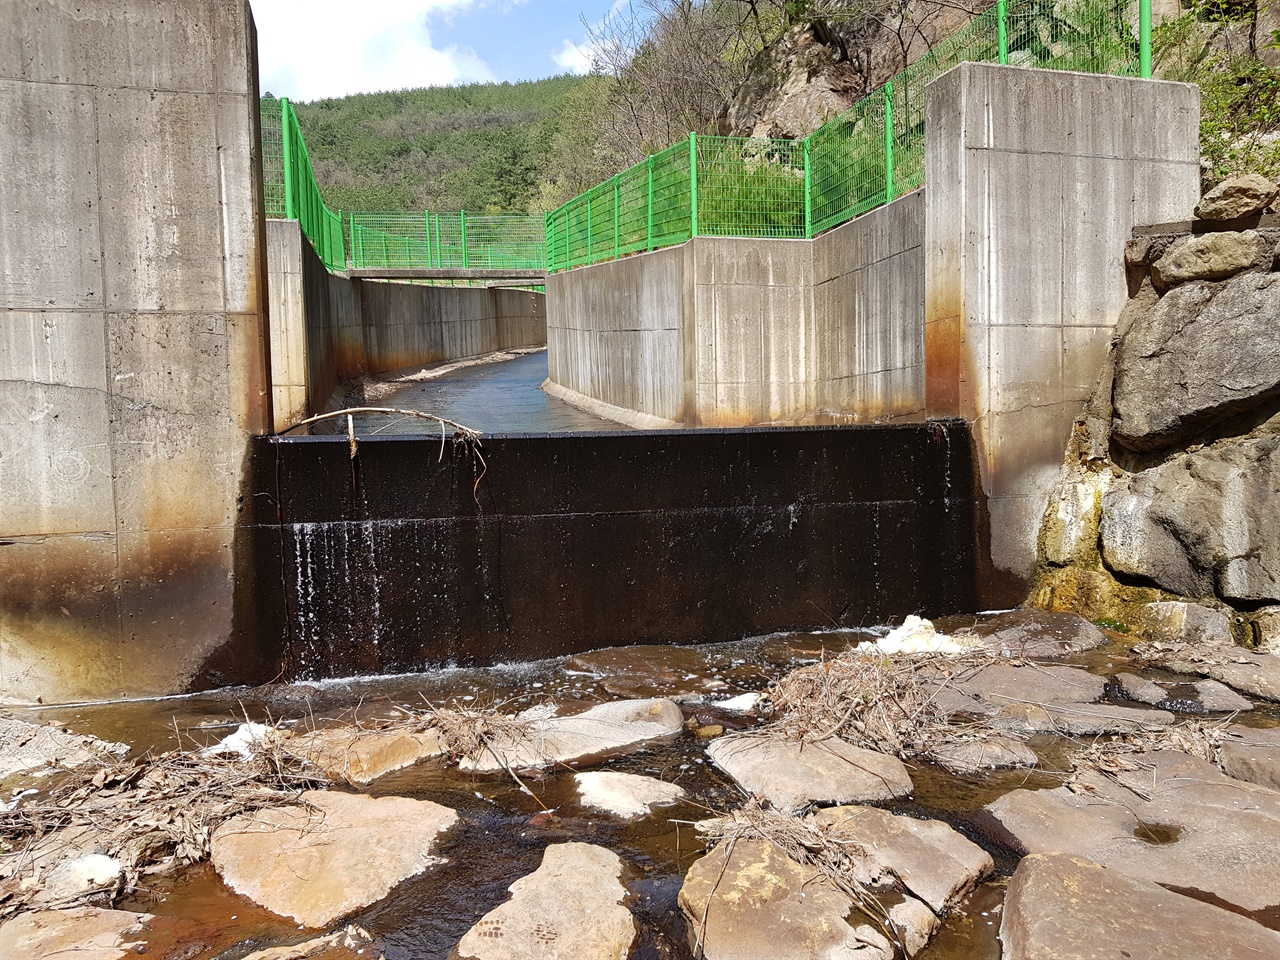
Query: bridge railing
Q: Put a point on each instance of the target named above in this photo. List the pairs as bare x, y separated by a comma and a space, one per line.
859, 160
447, 241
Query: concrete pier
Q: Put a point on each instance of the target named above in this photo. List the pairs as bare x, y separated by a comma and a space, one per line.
133, 354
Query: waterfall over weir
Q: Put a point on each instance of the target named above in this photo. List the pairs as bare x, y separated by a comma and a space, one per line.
398, 560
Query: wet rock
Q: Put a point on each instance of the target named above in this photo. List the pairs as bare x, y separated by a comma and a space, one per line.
26, 747
1215, 697
79, 877
625, 795
607, 728
1237, 197
361, 756
349, 943
789, 648
652, 670
1063, 906
1080, 719
951, 701
1134, 687
748, 901
1253, 755
1001, 684
915, 924
85, 933
979, 756
1177, 821
927, 857
1038, 633
1181, 622
570, 908
1257, 674
1193, 524
790, 775
1181, 368
1208, 256
329, 855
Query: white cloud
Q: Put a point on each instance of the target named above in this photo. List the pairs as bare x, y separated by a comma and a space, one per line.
312, 49
573, 57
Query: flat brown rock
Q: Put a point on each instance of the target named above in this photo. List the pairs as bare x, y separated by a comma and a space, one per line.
790, 775
361, 756
1176, 821
570, 908
927, 857
600, 731
648, 670
747, 900
1253, 755
1061, 907
1257, 674
1081, 719
1001, 683
1038, 633
992, 753
82, 933
334, 855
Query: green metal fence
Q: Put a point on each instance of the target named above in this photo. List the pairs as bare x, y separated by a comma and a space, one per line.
447, 241
715, 186
859, 160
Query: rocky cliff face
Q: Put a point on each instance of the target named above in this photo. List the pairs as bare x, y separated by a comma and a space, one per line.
1171, 484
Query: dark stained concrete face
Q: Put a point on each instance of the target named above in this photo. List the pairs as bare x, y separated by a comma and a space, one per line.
576, 541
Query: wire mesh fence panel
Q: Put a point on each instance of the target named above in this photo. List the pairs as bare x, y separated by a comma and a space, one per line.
750, 187
272, 157
456, 240
848, 166
1093, 36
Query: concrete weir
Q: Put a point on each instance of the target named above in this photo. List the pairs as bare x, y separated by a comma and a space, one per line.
573, 541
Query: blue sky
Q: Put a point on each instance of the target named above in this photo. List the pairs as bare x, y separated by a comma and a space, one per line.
311, 49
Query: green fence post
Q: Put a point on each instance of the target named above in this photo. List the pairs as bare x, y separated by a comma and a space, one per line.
1144, 38
888, 141
286, 150
808, 190
693, 184
590, 228
649, 211
466, 255
617, 214
1002, 27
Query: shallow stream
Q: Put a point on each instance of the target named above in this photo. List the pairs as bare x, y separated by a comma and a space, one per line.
503, 830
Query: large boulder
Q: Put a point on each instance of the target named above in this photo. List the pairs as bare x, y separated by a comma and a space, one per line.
790, 774
1178, 621
1237, 197
329, 855
747, 900
85, 933
1204, 353
602, 730
1208, 256
1173, 820
927, 857
570, 908
1060, 907
1201, 523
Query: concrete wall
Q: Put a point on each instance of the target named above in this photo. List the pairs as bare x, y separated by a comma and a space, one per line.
133, 362
726, 331
1037, 179
328, 329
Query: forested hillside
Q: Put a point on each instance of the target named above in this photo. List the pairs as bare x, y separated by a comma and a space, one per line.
476, 147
